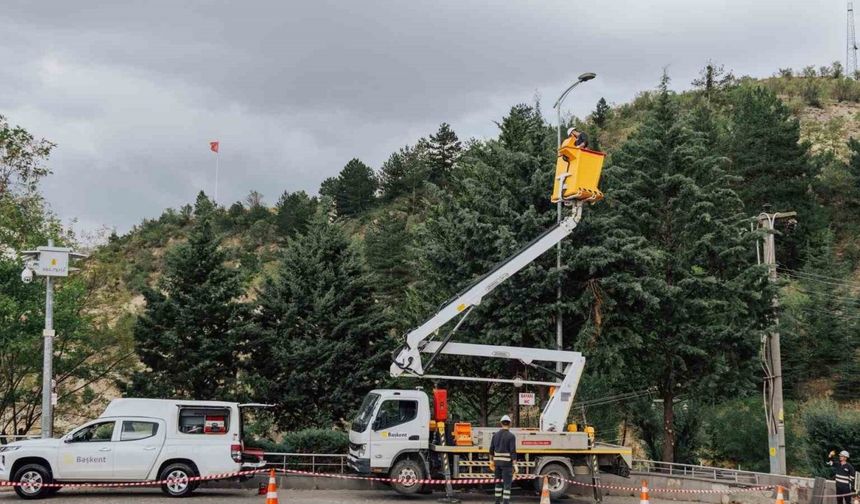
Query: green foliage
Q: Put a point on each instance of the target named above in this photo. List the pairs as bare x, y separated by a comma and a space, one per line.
827, 428
321, 342
22, 159
193, 330
601, 113
648, 420
353, 191
687, 307
443, 150
307, 441
404, 173
294, 212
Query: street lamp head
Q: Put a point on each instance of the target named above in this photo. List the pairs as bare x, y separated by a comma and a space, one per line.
587, 76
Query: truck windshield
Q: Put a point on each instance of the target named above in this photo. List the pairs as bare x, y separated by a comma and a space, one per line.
365, 412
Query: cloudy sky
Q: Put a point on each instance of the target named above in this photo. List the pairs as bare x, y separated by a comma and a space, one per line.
132, 92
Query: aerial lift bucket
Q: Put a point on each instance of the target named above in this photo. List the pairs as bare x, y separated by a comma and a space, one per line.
577, 174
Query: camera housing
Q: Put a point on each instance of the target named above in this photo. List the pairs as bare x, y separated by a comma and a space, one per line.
27, 275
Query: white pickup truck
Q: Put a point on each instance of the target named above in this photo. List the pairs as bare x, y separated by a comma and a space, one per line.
134, 440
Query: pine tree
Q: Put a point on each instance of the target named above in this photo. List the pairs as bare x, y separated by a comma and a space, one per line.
404, 173
387, 246
767, 154
601, 113
354, 189
193, 329
294, 211
443, 150
692, 322
320, 329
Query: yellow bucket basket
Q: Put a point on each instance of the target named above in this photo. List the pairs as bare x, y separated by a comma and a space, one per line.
577, 174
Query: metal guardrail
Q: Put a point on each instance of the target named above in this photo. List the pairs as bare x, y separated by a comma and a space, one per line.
719, 474
335, 463
332, 463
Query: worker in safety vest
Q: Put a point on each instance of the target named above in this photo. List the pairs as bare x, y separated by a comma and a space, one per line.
576, 138
503, 454
844, 473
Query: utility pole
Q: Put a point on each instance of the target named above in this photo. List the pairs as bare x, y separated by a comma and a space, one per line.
48, 262
771, 355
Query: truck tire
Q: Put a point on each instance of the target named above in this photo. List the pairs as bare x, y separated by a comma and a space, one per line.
407, 469
559, 475
178, 488
35, 476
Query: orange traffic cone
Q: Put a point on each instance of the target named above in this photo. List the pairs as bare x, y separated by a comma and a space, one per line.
544, 493
643, 495
780, 499
272, 491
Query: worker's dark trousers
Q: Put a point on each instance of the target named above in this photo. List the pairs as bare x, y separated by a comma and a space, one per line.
503, 490
843, 493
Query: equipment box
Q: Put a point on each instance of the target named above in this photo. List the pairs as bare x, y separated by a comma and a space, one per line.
534, 440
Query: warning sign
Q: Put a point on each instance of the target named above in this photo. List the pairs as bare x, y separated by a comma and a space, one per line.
527, 399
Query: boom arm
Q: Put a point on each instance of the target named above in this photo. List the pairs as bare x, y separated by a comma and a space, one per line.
408, 358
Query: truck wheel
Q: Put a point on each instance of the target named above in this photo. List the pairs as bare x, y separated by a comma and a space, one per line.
33, 478
177, 472
407, 469
558, 475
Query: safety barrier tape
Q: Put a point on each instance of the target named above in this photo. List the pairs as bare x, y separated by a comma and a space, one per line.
464, 481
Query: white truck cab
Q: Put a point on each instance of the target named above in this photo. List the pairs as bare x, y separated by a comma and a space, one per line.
391, 425
133, 440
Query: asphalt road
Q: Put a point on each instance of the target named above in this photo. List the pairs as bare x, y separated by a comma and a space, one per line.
214, 496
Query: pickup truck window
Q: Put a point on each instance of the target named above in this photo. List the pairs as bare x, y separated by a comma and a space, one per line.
102, 431
133, 430
204, 420
395, 412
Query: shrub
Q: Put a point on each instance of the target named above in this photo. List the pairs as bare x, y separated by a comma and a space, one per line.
826, 429
812, 93
306, 441
845, 89
787, 73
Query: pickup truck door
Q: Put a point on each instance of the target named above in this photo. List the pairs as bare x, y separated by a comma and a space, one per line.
87, 453
138, 445
397, 427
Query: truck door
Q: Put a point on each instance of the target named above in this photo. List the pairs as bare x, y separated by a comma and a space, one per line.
397, 427
137, 447
87, 453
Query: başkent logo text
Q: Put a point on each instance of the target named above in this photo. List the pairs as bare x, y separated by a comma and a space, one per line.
90, 460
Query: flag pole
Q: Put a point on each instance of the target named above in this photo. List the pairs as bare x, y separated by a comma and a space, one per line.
217, 169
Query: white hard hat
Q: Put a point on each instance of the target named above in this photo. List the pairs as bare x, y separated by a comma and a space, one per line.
571, 130
844, 453
505, 419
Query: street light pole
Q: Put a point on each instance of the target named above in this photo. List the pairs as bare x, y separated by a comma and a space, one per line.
559, 325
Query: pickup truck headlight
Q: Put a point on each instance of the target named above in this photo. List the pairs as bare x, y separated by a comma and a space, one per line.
8, 448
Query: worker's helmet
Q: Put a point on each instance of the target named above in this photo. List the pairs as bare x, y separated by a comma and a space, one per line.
505, 419
570, 131
844, 453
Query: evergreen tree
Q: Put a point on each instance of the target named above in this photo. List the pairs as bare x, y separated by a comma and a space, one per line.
387, 244
766, 152
294, 211
404, 173
818, 323
318, 320
601, 113
690, 318
443, 150
194, 329
354, 189
524, 130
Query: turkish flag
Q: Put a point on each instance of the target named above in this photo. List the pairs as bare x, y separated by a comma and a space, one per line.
213, 146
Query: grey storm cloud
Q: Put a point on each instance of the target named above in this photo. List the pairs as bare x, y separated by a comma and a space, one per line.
132, 91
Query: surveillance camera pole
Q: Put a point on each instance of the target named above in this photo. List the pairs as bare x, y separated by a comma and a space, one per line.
49, 262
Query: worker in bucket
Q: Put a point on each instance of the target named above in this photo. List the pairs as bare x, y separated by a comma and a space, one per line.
503, 454
844, 473
576, 138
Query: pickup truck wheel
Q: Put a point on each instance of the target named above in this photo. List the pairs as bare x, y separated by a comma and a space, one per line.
33, 478
180, 473
407, 469
558, 480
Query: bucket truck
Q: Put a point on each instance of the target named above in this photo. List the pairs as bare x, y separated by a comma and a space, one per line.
402, 433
